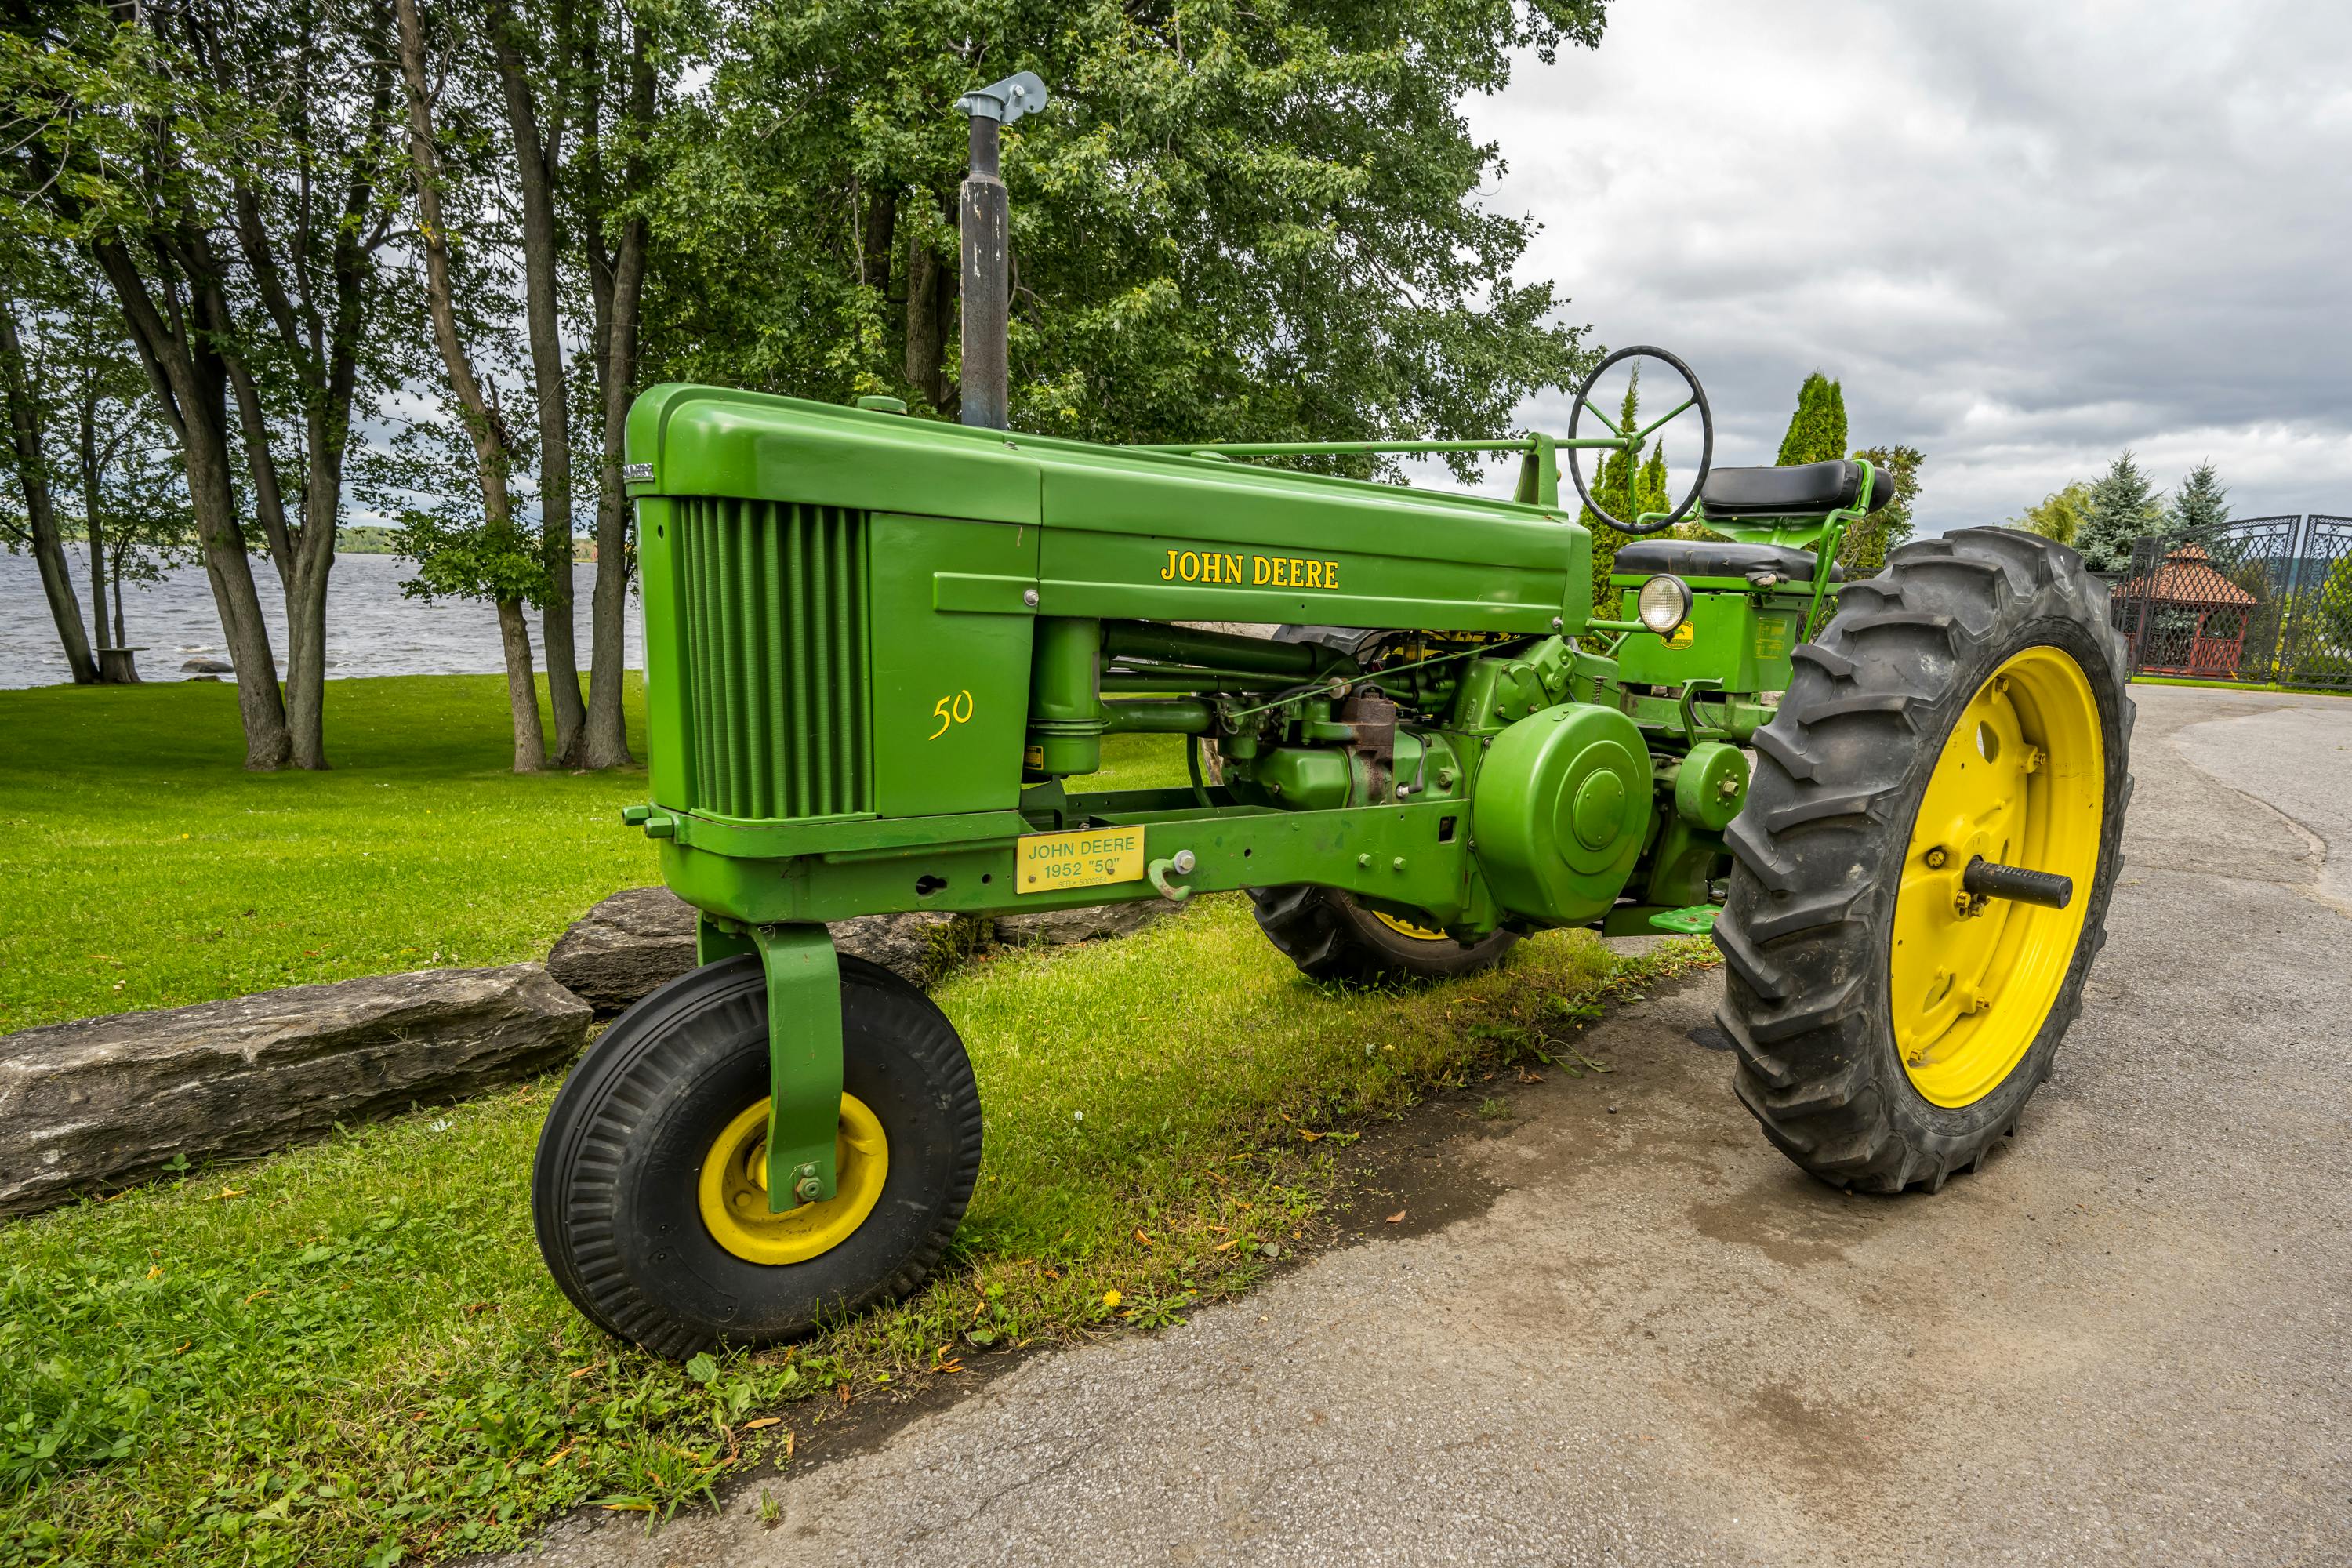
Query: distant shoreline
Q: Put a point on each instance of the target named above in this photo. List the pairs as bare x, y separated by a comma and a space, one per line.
372, 539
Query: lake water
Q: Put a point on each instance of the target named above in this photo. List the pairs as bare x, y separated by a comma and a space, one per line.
370, 628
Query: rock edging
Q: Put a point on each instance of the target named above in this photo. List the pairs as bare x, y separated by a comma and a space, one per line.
98, 1102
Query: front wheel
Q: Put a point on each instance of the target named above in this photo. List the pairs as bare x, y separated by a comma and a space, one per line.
648, 1193
1966, 705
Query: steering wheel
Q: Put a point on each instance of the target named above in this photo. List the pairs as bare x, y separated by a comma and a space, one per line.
1629, 442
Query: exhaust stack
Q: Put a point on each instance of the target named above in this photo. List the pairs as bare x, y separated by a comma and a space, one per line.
983, 217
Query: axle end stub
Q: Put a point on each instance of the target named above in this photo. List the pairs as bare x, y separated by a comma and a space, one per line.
1989, 879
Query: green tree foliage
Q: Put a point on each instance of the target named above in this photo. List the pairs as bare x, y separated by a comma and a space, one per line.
2058, 515
1867, 545
1817, 430
2200, 507
2123, 507
2332, 656
1233, 222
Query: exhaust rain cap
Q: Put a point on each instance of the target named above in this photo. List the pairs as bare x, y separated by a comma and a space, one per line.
1005, 101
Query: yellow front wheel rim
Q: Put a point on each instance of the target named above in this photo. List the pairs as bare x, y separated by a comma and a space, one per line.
2020, 780
734, 1189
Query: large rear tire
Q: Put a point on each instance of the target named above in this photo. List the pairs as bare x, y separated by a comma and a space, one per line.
1332, 936
645, 1192
1967, 702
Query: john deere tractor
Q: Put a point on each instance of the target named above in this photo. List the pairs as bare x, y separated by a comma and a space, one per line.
882, 654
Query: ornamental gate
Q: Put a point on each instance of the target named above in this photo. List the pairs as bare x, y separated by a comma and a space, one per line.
2265, 600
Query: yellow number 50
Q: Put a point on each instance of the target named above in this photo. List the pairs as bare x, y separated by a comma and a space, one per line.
950, 710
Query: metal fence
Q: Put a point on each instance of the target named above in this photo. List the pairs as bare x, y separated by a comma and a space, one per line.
2261, 601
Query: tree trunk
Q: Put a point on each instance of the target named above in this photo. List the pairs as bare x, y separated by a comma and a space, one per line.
535, 157
522, 691
605, 743
880, 236
93, 519
190, 381
49, 548
930, 310
482, 421
304, 578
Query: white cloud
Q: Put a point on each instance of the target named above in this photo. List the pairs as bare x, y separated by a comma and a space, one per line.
2023, 236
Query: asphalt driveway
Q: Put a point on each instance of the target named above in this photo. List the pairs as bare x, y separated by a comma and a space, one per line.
1648, 1340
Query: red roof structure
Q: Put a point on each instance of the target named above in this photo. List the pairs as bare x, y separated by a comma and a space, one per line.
2192, 619
2185, 576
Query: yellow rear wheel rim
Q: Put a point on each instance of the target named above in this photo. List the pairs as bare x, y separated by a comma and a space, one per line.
2020, 780
734, 1189
1406, 927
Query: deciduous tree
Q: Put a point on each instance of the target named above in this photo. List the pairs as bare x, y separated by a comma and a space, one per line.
1232, 223
491, 560
36, 528
2058, 515
1867, 545
222, 166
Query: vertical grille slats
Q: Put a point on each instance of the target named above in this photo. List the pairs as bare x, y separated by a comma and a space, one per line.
773, 611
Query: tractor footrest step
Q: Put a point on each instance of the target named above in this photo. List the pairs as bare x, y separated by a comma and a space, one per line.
1695, 921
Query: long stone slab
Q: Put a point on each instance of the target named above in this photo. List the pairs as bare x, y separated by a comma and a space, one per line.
101, 1102
642, 938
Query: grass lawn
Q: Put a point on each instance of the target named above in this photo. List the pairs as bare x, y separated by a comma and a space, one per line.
2235, 686
144, 867
350, 1353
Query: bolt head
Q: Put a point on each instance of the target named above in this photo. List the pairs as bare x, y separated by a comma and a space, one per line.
1397, 864
1556, 623
1029, 597
1937, 859
1363, 860
1184, 862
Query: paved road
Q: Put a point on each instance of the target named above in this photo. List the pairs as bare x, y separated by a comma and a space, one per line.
2126, 1340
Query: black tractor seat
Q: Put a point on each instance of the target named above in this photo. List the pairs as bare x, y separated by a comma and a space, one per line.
1800, 489
1718, 558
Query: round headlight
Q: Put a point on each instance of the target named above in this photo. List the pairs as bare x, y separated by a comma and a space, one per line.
1665, 604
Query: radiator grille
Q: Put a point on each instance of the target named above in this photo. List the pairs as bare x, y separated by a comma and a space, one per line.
772, 602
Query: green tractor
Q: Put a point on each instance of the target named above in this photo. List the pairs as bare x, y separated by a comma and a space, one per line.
882, 654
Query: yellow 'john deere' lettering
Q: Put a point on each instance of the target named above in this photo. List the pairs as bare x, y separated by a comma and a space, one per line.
1263, 572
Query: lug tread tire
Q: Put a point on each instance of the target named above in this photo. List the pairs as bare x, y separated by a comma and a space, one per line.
642, 1096
1817, 853
1331, 937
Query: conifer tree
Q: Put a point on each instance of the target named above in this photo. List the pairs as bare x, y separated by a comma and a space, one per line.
1617, 487
2201, 506
1817, 431
2124, 507
1650, 489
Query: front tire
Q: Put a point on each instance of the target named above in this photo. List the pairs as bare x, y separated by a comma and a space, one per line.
633, 1192
1968, 700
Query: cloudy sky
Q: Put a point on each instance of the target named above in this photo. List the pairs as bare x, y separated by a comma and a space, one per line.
2023, 236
